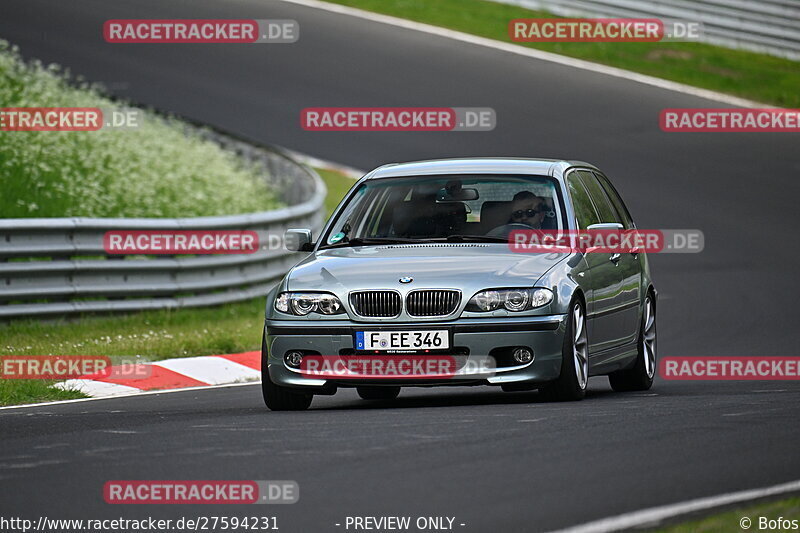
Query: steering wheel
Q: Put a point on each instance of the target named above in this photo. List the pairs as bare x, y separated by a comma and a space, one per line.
506, 229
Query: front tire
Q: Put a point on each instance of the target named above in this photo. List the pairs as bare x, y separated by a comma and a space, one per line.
571, 383
280, 398
640, 377
378, 393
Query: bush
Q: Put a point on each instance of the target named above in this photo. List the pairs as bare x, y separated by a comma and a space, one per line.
156, 170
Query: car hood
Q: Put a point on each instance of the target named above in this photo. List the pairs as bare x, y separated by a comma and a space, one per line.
462, 266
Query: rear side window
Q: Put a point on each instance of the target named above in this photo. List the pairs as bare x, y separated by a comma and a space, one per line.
616, 200
605, 210
584, 210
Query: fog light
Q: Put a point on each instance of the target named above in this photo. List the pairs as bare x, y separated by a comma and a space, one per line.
293, 359
523, 355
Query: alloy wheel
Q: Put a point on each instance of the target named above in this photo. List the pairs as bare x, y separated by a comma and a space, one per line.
649, 337
580, 346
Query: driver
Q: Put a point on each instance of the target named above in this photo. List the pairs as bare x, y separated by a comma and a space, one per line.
528, 209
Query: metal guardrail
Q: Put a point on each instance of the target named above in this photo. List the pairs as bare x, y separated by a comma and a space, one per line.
766, 26
58, 266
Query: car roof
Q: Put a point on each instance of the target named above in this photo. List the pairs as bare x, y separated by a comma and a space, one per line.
483, 165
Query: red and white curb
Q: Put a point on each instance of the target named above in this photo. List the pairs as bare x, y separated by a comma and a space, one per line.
172, 374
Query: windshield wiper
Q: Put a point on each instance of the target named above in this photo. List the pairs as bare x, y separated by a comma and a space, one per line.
474, 238
365, 241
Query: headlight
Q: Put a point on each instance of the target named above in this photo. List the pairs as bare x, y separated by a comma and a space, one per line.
303, 303
510, 299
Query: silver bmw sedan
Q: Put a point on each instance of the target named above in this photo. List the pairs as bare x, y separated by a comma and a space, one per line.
414, 282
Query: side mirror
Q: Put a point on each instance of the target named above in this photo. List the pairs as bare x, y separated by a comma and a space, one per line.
298, 240
606, 226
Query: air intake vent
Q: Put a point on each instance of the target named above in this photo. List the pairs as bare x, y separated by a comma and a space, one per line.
432, 302
383, 304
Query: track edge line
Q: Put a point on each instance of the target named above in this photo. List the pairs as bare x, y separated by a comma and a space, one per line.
654, 515
582, 64
132, 394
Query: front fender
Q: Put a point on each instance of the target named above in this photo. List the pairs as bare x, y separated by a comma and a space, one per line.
564, 279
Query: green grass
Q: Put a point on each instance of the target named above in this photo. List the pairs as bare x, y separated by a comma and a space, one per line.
157, 170
759, 77
153, 335
20, 392
338, 184
729, 521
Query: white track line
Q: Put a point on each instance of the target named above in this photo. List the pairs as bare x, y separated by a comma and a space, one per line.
96, 388
655, 515
133, 394
533, 53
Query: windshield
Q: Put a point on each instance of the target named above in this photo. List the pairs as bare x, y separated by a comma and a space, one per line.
446, 208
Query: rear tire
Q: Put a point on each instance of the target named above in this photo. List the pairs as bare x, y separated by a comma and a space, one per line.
571, 383
280, 398
378, 393
640, 377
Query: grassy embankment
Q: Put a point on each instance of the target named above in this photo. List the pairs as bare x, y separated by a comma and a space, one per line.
154, 171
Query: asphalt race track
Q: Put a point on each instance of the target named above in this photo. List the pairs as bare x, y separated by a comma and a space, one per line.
494, 461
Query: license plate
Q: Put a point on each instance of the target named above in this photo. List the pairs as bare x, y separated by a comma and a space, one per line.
403, 340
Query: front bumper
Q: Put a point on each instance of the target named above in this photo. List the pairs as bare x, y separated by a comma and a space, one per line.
473, 336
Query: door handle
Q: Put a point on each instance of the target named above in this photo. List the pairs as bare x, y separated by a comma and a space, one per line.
614, 258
